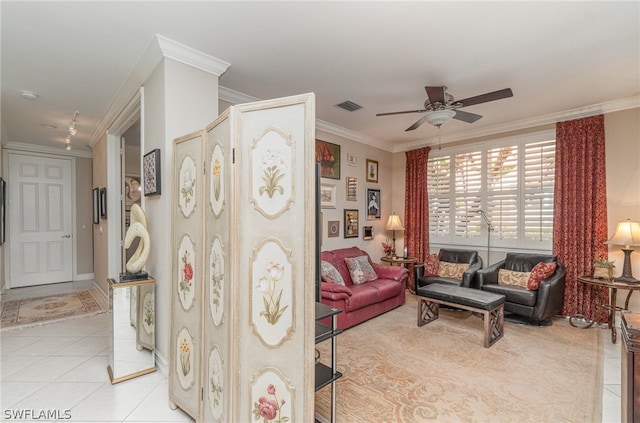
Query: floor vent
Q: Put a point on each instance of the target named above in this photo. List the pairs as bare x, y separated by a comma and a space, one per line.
349, 106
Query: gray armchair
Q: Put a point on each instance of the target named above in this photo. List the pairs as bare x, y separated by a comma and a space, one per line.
536, 307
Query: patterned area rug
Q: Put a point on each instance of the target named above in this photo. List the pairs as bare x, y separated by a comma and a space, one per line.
395, 371
36, 311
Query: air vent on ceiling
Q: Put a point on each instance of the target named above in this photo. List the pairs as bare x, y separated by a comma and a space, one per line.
349, 106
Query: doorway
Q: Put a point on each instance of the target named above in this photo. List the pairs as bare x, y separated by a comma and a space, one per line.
41, 220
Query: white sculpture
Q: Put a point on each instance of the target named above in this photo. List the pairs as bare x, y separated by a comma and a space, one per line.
137, 228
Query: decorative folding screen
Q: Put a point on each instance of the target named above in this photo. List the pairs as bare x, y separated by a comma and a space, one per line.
257, 249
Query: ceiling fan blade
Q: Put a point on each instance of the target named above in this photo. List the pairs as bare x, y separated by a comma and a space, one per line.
484, 98
466, 116
418, 123
435, 94
400, 113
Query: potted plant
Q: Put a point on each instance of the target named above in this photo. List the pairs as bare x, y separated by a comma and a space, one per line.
603, 269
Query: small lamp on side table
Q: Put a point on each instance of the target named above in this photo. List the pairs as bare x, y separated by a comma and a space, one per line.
394, 224
628, 234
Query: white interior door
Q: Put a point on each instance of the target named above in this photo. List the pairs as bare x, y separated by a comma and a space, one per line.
40, 222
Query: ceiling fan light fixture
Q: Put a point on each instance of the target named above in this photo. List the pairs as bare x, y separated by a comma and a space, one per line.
438, 118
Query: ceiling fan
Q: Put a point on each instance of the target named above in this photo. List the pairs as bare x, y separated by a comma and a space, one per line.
440, 106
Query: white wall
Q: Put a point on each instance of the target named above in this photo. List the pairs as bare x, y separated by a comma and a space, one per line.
178, 99
622, 133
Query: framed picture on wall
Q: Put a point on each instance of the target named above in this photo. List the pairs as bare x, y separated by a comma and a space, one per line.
373, 204
372, 171
151, 173
96, 205
333, 228
327, 196
351, 223
103, 203
352, 188
328, 155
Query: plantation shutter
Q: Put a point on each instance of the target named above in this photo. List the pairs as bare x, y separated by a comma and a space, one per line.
539, 179
438, 186
468, 184
502, 191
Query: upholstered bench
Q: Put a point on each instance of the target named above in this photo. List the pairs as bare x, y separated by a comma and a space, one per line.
489, 304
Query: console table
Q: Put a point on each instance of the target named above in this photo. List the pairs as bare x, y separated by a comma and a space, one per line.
409, 263
613, 285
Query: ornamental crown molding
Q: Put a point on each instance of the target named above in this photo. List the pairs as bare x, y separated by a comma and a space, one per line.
189, 56
160, 47
36, 148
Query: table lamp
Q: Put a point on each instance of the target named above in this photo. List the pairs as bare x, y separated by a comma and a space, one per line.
394, 224
628, 234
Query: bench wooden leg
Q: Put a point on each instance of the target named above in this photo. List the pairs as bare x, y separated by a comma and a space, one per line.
493, 325
427, 311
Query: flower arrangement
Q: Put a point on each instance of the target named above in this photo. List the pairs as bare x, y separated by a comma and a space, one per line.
387, 247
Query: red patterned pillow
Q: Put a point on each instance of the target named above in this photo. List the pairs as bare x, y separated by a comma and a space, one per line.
432, 265
540, 272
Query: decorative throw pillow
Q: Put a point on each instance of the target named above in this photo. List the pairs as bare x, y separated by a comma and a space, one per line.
540, 272
511, 277
360, 270
330, 273
432, 265
452, 270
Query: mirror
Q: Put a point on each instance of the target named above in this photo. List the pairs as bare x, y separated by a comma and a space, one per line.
132, 336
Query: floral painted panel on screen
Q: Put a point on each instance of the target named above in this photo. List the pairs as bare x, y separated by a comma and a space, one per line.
216, 194
187, 186
272, 292
216, 384
272, 397
185, 358
216, 281
271, 172
186, 261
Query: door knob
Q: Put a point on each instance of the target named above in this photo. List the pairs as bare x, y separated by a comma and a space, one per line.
66, 236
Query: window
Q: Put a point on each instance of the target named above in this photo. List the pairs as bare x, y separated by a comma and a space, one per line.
510, 181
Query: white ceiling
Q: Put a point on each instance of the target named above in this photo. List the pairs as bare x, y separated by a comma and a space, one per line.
559, 58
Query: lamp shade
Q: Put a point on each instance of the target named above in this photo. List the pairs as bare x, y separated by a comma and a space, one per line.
627, 233
394, 223
440, 117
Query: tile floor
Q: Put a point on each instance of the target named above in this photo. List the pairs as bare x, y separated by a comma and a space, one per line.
63, 366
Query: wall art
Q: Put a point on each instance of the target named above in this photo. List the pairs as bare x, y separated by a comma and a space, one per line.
373, 204
328, 196
103, 203
96, 205
352, 188
333, 228
372, 171
352, 160
151, 173
351, 223
328, 155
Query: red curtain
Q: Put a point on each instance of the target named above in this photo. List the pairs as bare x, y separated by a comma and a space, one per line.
580, 212
416, 204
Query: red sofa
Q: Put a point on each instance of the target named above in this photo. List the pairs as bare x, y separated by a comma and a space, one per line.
362, 302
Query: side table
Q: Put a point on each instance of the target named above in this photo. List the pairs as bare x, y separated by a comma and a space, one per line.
613, 285
409, 263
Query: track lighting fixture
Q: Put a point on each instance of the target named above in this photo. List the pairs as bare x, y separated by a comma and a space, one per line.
72, 131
